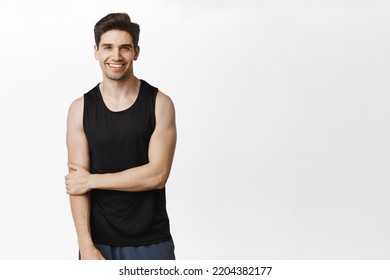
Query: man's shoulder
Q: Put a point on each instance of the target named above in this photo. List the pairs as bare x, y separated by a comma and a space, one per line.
159, 94
89, 95
93, 91
147, 87
164, 104
163, 97
76, 106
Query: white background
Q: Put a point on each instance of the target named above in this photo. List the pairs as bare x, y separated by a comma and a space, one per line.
282, 113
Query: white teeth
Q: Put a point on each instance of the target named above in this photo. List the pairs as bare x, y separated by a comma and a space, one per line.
116, 65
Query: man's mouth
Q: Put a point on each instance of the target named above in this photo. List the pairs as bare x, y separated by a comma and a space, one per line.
116, 65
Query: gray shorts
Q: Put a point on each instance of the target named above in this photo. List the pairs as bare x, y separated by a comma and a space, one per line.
159, 251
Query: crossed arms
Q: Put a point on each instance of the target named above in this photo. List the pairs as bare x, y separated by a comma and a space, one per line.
146, 177
79, 181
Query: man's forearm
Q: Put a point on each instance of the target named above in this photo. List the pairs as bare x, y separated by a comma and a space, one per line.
80, 206
142, 178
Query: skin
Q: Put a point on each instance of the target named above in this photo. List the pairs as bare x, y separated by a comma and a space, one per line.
116, 54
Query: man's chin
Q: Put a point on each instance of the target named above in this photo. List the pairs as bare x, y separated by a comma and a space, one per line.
118, 78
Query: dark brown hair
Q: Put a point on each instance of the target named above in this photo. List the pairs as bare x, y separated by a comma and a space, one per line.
116, 21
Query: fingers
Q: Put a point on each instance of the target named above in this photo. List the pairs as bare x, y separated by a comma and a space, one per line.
66, 187
75, 179
67, 184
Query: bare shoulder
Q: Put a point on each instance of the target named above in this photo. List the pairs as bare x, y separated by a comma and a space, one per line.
165, 109
76, 140
75, 113
164, 102
77, 104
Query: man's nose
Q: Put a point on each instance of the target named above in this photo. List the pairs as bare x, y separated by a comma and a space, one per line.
116, 54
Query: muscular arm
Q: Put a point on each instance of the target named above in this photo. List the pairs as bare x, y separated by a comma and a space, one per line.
146, 177
78, 154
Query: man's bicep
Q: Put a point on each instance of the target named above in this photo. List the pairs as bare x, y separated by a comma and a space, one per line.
76, 140
163, 142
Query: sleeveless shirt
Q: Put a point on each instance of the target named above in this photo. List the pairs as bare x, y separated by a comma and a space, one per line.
118, 141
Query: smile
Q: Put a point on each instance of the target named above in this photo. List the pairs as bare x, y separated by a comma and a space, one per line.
115, 65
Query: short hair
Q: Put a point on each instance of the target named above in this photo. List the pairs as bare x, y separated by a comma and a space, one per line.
117, 21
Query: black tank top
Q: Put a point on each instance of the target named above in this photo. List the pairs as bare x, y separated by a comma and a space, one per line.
118, 141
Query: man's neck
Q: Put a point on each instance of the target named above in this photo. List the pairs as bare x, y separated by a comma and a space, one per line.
120, 89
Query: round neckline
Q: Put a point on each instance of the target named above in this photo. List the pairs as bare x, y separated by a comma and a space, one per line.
124, 110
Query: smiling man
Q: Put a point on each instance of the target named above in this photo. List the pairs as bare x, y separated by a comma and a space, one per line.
121, 138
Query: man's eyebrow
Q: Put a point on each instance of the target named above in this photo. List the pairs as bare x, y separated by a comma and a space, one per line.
127, 45
121, 46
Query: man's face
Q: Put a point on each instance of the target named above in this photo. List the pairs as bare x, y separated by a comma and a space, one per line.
116, 53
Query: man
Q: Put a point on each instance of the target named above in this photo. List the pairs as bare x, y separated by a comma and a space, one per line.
121, 138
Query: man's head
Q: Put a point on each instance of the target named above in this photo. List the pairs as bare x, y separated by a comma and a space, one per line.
116, 21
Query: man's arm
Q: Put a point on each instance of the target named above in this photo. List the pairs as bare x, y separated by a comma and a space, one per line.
152, 175
78, 154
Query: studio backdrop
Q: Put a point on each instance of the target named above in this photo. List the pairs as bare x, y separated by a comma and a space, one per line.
282, 114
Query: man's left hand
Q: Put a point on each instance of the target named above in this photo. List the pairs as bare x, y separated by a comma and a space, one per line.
77, 181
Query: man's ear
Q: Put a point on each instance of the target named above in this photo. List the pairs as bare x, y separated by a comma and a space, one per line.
137, 50
95, 48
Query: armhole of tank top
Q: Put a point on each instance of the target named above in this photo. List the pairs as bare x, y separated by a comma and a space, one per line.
84, 111
154, 100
